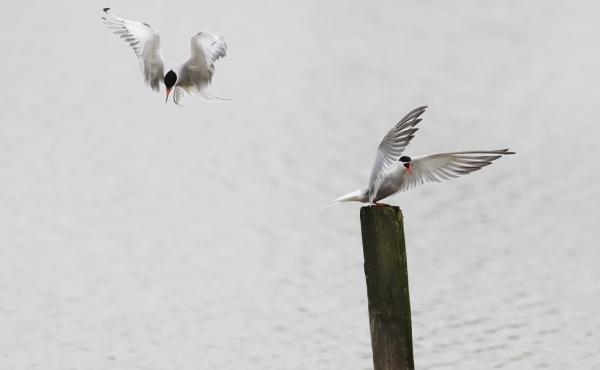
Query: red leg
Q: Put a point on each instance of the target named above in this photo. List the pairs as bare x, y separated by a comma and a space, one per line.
380, 204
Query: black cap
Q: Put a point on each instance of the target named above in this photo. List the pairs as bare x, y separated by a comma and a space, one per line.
170, 79
405, 159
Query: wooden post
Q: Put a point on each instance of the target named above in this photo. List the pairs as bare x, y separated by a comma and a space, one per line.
387, 287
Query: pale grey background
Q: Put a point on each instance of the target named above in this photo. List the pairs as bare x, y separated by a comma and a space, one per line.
139, 235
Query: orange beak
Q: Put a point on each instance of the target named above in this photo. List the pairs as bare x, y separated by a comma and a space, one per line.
168, 90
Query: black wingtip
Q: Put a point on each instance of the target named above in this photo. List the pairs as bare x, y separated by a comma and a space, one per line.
415, 114
417, 111
503, 151
105, 10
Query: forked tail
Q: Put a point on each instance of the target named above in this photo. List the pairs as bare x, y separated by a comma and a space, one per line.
210, 98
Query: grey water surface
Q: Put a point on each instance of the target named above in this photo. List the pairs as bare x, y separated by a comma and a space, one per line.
136, 234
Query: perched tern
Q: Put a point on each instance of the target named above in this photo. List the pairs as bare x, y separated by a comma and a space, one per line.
393, 172
192, 76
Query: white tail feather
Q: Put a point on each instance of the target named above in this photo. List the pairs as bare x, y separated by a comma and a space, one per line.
209, 98
356, 196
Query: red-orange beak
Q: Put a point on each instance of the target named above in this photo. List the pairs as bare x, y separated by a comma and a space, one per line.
409, 168
168, 90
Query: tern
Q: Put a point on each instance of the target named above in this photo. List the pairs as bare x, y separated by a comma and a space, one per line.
394, 172
192, 76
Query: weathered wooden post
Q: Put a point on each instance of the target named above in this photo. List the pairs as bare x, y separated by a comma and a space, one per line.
387, 287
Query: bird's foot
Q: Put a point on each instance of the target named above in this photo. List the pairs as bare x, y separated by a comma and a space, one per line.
380, 204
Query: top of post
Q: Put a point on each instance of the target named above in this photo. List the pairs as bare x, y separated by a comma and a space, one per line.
381, 210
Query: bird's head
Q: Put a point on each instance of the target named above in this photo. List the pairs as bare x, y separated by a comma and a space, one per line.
407, 163
170, 80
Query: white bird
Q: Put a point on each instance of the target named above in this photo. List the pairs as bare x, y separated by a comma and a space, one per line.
192, 76
393, 172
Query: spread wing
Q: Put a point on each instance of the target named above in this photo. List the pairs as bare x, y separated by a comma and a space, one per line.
208, 47
197, 72
145, 42
446, 166
391, 148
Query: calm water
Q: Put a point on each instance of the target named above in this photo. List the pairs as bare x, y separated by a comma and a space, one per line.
139, 235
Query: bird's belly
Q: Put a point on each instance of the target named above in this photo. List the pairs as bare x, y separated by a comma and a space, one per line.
391, 185
384, 191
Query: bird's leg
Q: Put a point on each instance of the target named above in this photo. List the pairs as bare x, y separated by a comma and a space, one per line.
375, 204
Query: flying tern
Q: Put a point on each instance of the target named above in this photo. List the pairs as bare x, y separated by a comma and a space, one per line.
394, 172
192, 76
